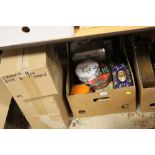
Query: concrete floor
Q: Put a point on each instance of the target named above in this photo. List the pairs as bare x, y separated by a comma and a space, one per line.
130, 120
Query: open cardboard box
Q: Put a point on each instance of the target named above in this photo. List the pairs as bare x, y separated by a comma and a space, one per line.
106, 102
146, 88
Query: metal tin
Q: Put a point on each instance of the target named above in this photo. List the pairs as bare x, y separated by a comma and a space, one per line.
87, 70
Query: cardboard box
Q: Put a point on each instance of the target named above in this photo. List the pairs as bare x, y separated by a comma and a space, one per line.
33, 72
46, 122
5, 100
49, 105
35, 80
107, 102
146, 86
19, 35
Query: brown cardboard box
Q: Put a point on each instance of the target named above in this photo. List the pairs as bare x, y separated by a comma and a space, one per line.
144, 63
32, 72
46, 122
49, 105
146, 90
107, 102
35, 80
5, 100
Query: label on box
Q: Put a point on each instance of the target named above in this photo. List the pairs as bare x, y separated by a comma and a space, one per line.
29, 84
128, 92
103, 93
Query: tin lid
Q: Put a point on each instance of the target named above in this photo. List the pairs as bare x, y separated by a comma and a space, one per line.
87, 68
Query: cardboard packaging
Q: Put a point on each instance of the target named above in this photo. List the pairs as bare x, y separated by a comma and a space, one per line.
19, 35
106, 102
46, 122
5, 100
33, 72
49, 105
145, 66
145, 78
35, 80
